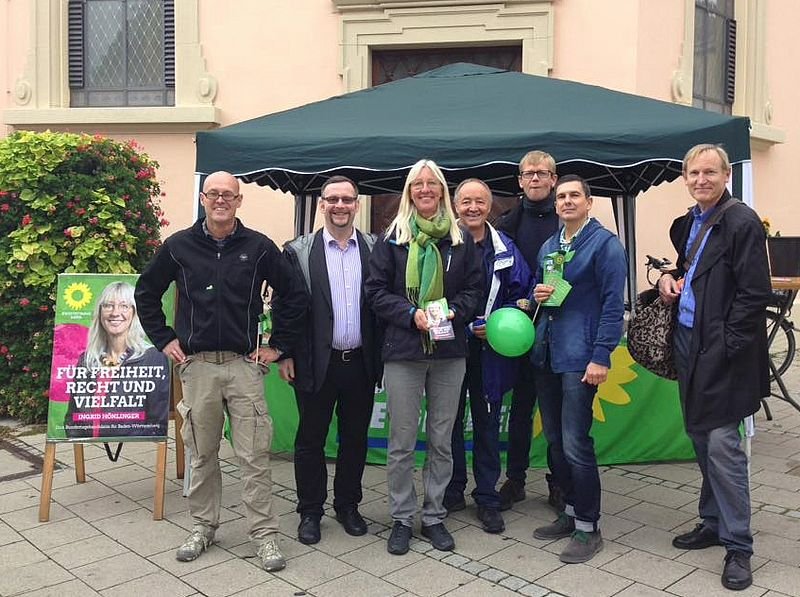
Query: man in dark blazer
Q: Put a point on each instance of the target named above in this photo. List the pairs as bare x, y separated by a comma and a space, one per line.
720, 348
336, 362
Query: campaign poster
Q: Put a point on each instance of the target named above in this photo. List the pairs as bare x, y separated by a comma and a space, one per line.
107, 381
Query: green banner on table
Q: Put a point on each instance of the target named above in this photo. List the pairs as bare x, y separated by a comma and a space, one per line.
637, 418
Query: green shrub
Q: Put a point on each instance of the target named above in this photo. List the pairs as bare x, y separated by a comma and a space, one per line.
68, 203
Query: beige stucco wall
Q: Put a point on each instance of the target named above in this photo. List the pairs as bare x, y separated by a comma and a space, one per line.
272, 56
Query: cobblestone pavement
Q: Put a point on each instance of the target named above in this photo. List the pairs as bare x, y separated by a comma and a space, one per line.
101, 539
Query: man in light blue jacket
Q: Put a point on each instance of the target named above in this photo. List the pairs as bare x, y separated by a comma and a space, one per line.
581, 283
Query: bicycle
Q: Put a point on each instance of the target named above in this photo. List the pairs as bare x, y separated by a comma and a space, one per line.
783, 346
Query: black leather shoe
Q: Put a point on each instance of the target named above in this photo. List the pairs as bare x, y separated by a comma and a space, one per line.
511, 491
737, 575
352, 522
455, 504
491, 519
308, 530
699, 538
439, 537
398, 540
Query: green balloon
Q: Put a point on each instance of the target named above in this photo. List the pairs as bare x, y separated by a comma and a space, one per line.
510, 332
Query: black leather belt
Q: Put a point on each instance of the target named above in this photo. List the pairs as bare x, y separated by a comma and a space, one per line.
345, 356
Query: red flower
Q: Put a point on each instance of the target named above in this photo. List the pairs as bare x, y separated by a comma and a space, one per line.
3, 193
68, 232
164, 222
93, 221
23, 302
80, 212
26, 219
5, 207
44, 308
3, 349
70, 205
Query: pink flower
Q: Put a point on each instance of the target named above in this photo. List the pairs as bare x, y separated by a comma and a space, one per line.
93, 221
5, 207
3, 193
163, 222
68, 232
3, 349
24, 302
80, 212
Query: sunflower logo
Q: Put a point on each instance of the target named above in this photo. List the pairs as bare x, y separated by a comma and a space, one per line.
77, 296
611, 391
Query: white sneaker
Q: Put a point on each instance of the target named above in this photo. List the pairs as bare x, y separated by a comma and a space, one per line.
195, 544
271, 557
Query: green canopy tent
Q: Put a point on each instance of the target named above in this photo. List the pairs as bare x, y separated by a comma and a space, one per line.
473, 121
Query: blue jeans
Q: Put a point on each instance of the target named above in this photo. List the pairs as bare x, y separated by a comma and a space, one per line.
485, 438
566, 407
724, 502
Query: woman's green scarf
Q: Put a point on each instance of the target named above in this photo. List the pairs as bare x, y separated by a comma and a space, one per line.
424, 270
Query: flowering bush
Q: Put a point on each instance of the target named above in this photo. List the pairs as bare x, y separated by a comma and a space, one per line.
68, 203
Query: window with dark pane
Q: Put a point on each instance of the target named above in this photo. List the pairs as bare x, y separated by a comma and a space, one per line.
121, 53
714, 55
394, 64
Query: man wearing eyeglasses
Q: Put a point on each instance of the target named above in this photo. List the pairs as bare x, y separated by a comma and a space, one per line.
220, 267
529, 224
335, 364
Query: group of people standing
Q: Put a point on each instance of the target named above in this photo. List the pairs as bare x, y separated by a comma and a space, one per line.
350, 310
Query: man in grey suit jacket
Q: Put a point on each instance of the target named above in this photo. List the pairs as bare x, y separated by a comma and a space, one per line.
335, 363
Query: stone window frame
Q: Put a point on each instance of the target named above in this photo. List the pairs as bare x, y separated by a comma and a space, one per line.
752, 90
41, 93
367, 24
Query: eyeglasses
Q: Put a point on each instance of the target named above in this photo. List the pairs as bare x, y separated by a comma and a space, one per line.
227, 196
334, 199
121, 307
541, 174
420, 184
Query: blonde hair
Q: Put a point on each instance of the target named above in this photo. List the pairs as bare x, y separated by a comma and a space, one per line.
97, 344
401, 225
702, 148
538, 157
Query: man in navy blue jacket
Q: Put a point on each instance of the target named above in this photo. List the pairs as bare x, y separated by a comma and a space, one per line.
489, 375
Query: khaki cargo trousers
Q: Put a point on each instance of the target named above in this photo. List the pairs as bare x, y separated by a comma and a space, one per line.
212, 383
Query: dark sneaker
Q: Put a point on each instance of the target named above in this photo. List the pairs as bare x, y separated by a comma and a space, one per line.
582, 547
399, 539
511, 491
698, 538
270, 556
491, 519
563, 526
439, 537
454, 504
195, 544
737, 574
555, 496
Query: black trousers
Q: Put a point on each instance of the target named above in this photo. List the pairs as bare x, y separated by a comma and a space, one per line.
347, 388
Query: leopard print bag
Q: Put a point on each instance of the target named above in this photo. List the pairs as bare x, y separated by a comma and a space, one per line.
650, 334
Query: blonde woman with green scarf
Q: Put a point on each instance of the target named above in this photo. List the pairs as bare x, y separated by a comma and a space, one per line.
423, 256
